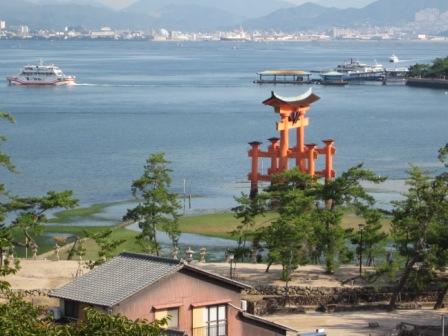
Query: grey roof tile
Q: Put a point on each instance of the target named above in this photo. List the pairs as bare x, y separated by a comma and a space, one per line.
117, 279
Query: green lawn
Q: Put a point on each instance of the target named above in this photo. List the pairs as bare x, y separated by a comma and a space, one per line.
45, 241
221, 224
217, 224
70, 215
118, 233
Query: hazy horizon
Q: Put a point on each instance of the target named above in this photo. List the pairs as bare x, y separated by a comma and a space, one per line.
119, 4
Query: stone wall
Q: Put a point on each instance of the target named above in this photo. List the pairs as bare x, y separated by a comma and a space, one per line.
264, 300
28, 292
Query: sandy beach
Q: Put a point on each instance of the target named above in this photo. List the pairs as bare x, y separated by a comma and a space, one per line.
45, 274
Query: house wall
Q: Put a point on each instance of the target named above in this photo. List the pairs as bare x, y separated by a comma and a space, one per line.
182, 289
185, 290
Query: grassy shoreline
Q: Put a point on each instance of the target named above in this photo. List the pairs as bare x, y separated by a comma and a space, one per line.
68, 216
218, 224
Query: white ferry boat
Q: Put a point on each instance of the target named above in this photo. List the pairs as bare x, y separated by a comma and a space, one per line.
356, 71
41, 75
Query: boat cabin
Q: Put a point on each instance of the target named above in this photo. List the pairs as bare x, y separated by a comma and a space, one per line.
333, 78
283, 77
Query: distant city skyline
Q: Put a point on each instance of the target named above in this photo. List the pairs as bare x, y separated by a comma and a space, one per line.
119, 4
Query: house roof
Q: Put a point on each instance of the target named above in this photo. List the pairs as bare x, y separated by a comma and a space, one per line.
266, 323
125, 275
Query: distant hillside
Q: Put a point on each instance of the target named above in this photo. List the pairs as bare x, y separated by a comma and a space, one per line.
389, 12
59, 15
193, 18
69, 13
292, 19
312, 16
238, 8
208, 15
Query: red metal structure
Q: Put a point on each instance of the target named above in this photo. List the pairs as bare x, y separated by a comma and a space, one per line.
292, 111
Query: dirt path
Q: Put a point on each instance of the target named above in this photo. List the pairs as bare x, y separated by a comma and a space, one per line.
43, 274
309, 275
356, 323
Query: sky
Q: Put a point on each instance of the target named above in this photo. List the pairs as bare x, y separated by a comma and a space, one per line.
117, 4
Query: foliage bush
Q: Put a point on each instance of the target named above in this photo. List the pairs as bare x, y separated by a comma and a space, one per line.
438, 68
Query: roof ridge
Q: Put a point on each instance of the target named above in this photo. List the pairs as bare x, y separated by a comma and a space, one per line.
150, 256
216, 276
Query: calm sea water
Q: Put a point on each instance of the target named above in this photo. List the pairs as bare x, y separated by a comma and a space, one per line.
197, 103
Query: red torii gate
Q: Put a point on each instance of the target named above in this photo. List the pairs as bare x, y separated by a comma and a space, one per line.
292, 111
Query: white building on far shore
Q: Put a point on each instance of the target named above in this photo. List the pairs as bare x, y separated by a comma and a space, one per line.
2, 25
105, 32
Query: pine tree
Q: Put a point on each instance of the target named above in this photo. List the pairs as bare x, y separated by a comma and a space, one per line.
158, 207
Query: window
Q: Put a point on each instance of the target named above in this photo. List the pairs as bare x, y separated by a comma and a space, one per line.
71, 309
172, 316
217, 320
210, 321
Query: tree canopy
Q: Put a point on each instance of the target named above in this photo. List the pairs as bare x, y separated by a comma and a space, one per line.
158, 206
438, 68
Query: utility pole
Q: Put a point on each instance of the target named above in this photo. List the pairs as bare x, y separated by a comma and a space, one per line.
288, 279
185, 194
443, 325
361, 229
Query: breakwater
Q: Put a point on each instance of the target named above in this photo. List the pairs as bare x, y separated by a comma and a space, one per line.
433, 83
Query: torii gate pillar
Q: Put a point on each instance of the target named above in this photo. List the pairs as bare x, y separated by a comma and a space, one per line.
292, 112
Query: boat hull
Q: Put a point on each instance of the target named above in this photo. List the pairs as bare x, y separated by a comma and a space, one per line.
334, 82
58, 82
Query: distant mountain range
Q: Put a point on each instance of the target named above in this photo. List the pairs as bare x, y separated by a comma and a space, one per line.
312, 16
202, 15
21, 12
235, 8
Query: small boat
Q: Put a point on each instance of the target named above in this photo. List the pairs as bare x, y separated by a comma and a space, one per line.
394, 59
41, 75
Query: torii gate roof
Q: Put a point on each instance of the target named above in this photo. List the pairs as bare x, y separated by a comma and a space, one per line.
303, 100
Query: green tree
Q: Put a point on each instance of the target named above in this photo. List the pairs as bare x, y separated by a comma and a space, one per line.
246, 211
6, 242
286, 241
291, 196
443, 154
332, 198
31, 212
101, 324
373, 236
21, 318
415, 219
107, 246
438, 68
418, 70
158, 207
438, 237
